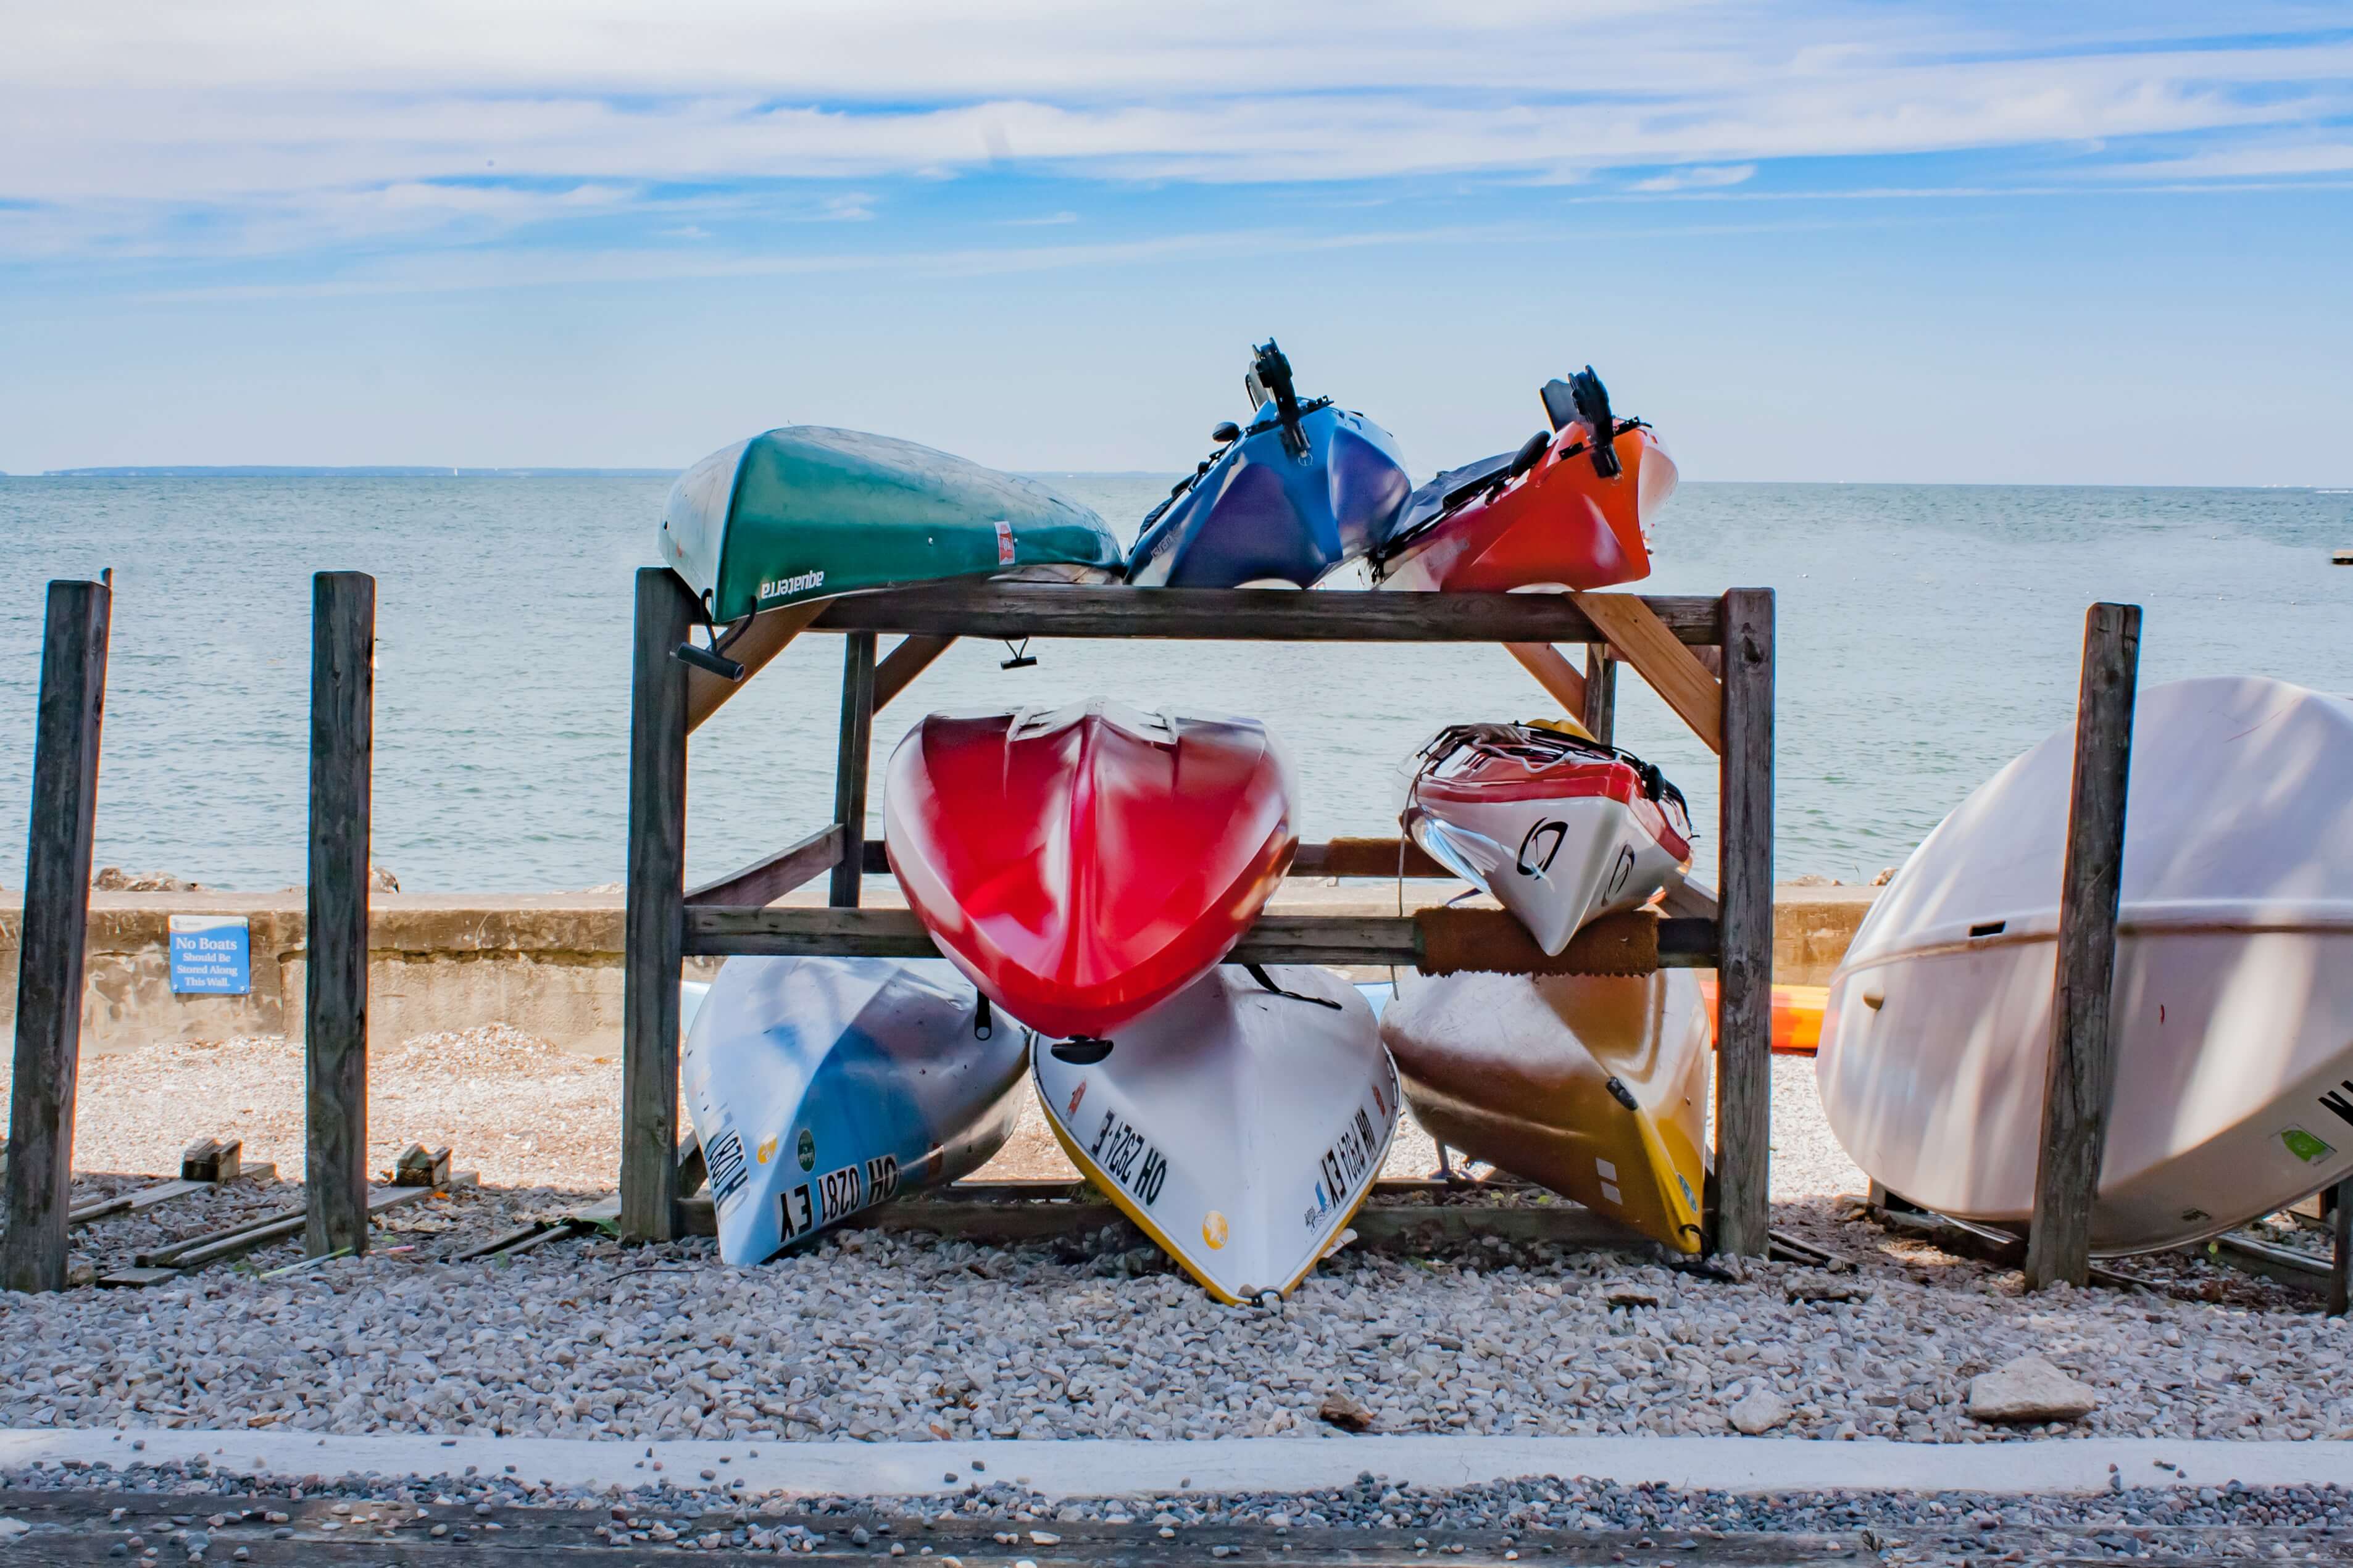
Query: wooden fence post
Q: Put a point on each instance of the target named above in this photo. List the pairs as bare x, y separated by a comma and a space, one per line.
49, 953
654, 927
1744, 1057
2341, 1257
850, 766
2081, 1072
1600, 716
335, 942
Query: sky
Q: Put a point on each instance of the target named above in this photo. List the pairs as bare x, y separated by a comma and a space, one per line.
2084, 243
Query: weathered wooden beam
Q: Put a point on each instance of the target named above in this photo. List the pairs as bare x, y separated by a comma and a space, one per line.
2080, 1075
765, 880
1631, 625
1339, 857
1263, 615
1552, 672
334, 1015
768, 635
2340, 1257
1463, 939
66, 724
1601, 692
855, 749
655, 911
1744, 1057
904, 663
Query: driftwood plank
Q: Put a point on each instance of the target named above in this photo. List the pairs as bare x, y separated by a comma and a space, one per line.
765, 880
655, 908
1658, 657
2081, 1072
1553, 671
768, 635
56, 914
1744, 1059
1261, 615
334, 1019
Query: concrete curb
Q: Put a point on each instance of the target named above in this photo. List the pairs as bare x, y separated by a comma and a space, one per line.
1115, 1467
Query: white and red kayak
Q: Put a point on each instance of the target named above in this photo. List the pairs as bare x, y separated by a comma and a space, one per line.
1558, 827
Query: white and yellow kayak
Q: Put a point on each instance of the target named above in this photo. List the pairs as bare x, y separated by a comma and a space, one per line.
1595, 1086
1240, 1123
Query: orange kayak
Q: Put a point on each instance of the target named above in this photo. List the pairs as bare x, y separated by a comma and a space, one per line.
1796, 1015
1558, 514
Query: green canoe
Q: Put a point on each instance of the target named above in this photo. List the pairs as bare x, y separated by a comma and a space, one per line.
808, 512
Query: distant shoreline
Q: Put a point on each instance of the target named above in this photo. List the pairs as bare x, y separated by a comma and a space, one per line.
258, 471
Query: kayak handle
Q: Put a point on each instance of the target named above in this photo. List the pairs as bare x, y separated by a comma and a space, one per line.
1257, 971
1081, 1050
1226, 432
709, 660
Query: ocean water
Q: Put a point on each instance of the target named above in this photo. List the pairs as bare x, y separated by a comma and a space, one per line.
1928, 635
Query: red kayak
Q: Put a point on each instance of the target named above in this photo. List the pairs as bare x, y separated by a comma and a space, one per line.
1562, 512
1084, 864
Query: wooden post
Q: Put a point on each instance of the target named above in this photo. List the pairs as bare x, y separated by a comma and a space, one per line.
49, 953
850, 766
1601, 693
2081, 1072
1744, 1057
334, 1016
654, 924
2341, 1262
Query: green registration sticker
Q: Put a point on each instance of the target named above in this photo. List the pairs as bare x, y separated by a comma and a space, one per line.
2304, 1146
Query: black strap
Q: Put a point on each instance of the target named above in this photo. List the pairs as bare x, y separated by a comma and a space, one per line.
1257, 971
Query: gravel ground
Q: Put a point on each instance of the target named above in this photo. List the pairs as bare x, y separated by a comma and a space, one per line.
875, 1335
2232, 1522
878, 1335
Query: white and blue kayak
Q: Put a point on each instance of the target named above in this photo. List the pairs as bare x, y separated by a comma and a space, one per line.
1240, 1123
822, 1086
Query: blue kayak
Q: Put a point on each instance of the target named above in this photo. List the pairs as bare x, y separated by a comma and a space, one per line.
823, 1086
1305, 488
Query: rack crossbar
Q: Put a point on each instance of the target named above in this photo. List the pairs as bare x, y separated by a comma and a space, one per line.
726, 932
1261, 615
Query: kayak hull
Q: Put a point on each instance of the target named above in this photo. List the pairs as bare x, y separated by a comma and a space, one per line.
1515, 1070
1558, 525
1083, 864
2231, 1007
808, 512
1241, 1128
1559, 834
820, 1086
1261, 516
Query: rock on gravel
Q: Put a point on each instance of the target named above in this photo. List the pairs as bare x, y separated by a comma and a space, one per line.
2027, 1392
1757, 1413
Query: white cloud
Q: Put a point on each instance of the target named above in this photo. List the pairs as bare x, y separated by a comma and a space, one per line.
295, 126
1698, 178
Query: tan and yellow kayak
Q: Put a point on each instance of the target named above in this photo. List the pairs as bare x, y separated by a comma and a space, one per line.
1595, 1086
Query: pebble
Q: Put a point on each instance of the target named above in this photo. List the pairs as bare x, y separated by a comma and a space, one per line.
911, 1338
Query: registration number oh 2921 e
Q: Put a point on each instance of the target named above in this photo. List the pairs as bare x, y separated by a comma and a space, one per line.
1127, 1157
837, 1195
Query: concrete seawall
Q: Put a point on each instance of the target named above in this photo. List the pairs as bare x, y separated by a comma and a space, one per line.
550, 963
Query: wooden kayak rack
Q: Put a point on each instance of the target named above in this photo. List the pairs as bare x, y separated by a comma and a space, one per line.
1710, 659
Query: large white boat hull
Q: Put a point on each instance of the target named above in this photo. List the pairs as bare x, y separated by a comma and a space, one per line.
2232, 1004
1241, 1128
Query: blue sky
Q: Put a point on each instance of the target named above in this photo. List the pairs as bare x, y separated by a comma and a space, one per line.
2092, 242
